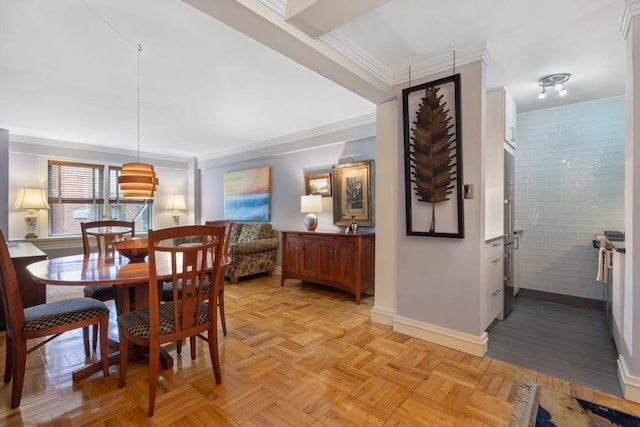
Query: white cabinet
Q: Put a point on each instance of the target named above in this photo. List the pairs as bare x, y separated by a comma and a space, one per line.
502, 107
491, 288
616, 298
516, 262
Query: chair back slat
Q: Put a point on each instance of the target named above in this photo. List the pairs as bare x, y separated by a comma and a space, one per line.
11, 298
228, 225
105, 233
191, 264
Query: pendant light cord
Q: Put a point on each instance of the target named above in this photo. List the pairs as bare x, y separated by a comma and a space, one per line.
139, 48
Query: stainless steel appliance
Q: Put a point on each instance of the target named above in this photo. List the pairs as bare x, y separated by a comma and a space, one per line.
509, 186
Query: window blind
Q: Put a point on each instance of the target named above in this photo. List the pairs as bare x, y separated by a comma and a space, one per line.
75, 182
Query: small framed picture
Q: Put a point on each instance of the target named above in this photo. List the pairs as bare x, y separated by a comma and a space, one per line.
319, 184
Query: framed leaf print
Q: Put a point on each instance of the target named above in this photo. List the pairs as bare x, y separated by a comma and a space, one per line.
433, 158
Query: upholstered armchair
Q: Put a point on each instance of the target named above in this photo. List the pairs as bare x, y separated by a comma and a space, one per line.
253, 249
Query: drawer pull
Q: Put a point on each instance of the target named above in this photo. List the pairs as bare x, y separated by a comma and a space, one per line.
495, 261
496, 292
496, 244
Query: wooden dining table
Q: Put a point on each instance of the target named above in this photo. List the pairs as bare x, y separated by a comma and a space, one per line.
130, 280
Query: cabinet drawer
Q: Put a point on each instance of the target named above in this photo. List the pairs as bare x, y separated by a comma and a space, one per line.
492, 292
493, 249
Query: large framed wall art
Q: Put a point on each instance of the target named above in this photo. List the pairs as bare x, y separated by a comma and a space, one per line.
247, 194
433, 158
353, 193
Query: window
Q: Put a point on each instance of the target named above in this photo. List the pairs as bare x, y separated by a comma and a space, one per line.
138, 210
76, 194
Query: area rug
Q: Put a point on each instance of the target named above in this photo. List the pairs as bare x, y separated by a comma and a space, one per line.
540, 407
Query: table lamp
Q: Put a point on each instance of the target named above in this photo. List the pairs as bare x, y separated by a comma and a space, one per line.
176, 204
30, 199
310, 205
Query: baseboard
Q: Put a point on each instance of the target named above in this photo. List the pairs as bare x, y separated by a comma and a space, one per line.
382, 316
571, 300
629, 384
475, 345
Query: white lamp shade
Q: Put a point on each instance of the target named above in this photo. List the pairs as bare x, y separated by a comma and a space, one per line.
310, 204
31, 198
176, 202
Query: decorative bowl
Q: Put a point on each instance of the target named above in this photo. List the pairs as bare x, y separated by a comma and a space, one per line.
134, 249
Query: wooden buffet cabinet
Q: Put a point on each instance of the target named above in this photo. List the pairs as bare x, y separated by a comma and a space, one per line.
343, 261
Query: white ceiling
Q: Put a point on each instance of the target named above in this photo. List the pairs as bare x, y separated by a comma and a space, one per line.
208, 90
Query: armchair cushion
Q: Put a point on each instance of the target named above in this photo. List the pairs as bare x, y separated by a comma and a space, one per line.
251, 232
254, 246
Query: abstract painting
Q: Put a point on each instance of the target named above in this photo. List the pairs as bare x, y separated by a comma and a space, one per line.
247, 194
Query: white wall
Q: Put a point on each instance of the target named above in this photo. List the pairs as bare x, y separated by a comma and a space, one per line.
28, 168
437, 280
569, 179
287, 182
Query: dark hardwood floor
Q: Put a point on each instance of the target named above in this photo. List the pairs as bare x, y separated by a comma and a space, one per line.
568, 342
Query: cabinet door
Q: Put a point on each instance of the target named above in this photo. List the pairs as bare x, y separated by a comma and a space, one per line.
345, 262
291, 253
510, 119
308, 257
327, 253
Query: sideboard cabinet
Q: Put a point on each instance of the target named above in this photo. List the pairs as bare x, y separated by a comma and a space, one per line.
343, 261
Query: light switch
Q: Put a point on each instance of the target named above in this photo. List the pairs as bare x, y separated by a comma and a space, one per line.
468, 191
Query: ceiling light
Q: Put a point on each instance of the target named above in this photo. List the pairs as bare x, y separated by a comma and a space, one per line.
543, 94
555, 81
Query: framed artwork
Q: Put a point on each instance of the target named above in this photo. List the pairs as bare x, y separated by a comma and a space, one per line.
433, 158
319, 184
353, 190
247, 194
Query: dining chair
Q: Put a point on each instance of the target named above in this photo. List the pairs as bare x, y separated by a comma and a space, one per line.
167, 288
104, 233
44, 320
190, 313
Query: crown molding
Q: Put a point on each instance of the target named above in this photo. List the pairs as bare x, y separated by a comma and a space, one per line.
349, 129
428, 66
278, 6
336, 40
443, 62
27, 144
630, 8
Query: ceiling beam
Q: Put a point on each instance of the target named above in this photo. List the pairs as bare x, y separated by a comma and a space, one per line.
318, 17
265, 26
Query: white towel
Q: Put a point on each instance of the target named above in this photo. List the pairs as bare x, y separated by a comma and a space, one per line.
603, 265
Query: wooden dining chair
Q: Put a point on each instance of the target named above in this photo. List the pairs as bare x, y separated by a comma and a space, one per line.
190, 313
43, 320
167, 289
104, 233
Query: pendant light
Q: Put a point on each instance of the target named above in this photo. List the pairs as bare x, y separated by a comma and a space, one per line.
138, 180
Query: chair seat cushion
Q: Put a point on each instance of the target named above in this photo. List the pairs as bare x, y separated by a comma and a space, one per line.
167, 290
45, 316
136, 322
101, 293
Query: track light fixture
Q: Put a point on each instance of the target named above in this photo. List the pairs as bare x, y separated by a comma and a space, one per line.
555, 81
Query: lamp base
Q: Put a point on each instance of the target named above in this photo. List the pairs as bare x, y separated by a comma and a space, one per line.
311, 222
31, 236
176, 220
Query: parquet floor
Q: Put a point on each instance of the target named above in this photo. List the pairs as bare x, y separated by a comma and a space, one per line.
294, 356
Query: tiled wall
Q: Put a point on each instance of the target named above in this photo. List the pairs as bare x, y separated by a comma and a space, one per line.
569, 188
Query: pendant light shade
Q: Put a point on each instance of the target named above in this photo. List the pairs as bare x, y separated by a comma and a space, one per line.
138, 180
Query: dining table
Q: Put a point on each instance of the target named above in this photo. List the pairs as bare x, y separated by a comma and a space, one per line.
130, 280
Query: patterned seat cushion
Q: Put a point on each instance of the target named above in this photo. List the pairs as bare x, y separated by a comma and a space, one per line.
167, 290
63, 312
251, 232
101, 293
137, 322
